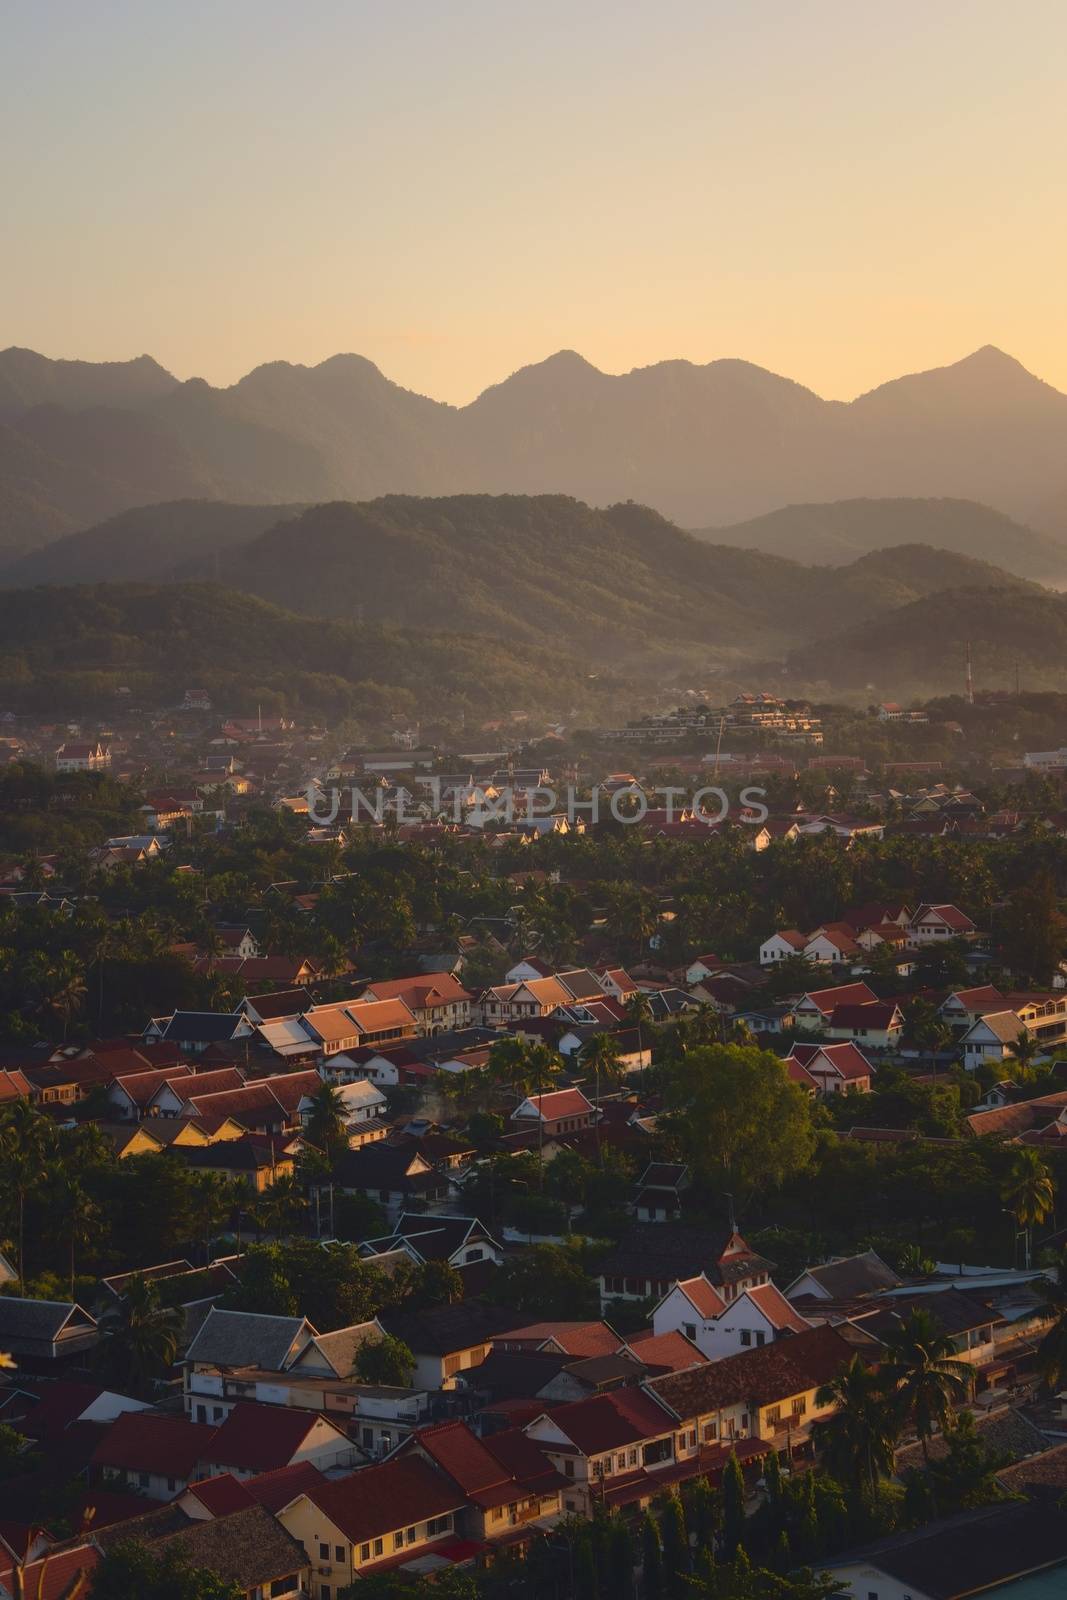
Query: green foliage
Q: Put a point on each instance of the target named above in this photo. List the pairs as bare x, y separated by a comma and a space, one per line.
736, 1118
130, 1571
387, 1360
330, 1284
548, 1281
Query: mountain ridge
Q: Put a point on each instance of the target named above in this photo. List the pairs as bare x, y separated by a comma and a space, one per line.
712, 443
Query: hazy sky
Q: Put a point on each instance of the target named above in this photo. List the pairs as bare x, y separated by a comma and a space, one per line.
841, 190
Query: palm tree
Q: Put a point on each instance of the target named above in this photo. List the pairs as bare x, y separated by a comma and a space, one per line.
1029, 1193
1025, 1049
74, 1213
26, 1139
326, 1125
601, 1054
638, 1014
859, 1438
140, 1335
925, 1375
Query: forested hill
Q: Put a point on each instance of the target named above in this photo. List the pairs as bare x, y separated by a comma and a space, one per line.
79, 647
622, 586
839, 531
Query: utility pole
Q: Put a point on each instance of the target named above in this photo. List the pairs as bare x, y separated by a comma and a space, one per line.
970, 679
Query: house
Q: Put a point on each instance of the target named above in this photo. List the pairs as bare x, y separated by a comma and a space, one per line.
257, 1160
227, 1340
660, 1191
1018, 1551
964, 1007
360, 1104
831, 945
447, 1340
194, 1031
509, 1483
844, 1278
1039, 1121
835, 1068
94, 756
814, 1010
650, 1259
255, 1438
395, 1176
399, 1510
767, 1393
358, 1023
992, 1037
245, 1546
781, 946
932, 923
606, 1443
878, 1023
153, 1454
718, 1327
459, 1241
438, 1001
39, 1332
559, 1111
964, 1320
509, 1003
173, 1094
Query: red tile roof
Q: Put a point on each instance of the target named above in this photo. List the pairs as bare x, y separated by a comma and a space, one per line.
844, 994
561, 1103
672, 1352
846, 1058
258, 1438
777, 1309
380, 1499
608, 1421
54, 1577
145, 1441
572, 1338
703, 1296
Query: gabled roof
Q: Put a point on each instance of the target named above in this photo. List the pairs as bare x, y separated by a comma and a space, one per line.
258, 1438
846, 1059
667, 1352
56, 1575
443, 1330
952, 916
766, 1374
247, 1339
609, 1421
148, 1441
776, 1308
569, 1338
660, 1251
851, 1276
984, 998
380, 1499
877, 1014
845, 994
702, 1295
555, 1104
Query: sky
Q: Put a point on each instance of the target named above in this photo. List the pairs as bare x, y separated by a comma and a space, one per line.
839, 190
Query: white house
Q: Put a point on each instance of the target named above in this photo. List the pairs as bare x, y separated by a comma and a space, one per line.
779, 947
719, 1327
932, 923
992, 1038
361, 1103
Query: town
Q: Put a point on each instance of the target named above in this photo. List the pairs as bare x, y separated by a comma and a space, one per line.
494, 1170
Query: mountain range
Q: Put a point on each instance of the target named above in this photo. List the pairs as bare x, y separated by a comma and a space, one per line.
705, 445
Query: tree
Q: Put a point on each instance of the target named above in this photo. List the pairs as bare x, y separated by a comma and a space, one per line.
733, 1507
675, 1544
419, 1285
27, 1139
139, 1336
737, 1119
600, 1054
73, 1213
1032, 935
925, 1375
858, 1439
325, 1125
386, 1361
651, 1559
1029, 1193
1025, 1051
131, 1571
639, 1015
549, 1281
965, 1477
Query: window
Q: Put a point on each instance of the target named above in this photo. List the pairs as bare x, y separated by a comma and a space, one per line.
690, 1330
409, 1536
398, 1541
633, 1458
172, 1484
364, 1552
324, 1591
746, 1336
368, 1438
338, 1552
760, 1336
324, 1552
143, 1479
475, 1255
568, 1469
800, 1406
438, 1525
711, 1431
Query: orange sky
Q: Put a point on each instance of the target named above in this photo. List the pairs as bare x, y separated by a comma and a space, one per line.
839, 191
